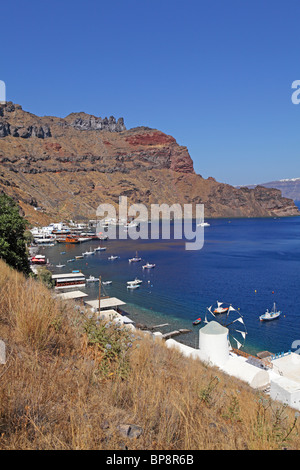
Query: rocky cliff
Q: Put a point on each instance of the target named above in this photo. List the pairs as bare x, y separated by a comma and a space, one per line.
68, 166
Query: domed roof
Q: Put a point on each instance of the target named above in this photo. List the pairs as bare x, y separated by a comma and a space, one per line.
214, 328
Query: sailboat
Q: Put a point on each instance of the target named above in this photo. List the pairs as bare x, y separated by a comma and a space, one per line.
270, 315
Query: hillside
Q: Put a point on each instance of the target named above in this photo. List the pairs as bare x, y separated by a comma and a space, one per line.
289, 188
71, 384
68, 166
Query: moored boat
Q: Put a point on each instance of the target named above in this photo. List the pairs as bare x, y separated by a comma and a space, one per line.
136, 281
38, 259
92, 279
220, 309
68, 239
197, 321
135, 259
272, 315
149, 266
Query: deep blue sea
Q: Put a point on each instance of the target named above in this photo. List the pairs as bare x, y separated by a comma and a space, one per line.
249, 263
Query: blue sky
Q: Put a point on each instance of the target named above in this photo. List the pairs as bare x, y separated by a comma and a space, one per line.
214, 74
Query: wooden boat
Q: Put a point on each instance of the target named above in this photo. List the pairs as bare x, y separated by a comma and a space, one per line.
68, 239
220, 309
197, 321
268, 316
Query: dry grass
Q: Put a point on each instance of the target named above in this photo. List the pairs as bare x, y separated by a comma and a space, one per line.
64, 388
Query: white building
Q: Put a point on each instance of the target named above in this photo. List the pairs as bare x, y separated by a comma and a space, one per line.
214, 349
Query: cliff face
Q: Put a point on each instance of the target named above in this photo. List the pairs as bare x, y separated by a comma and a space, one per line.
68, 166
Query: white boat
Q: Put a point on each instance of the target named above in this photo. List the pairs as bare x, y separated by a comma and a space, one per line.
106, 283
100, 248
203, 224
79, 257
135, 282
86, 253
113, 257
270, 315
92, 279
60, 265
148, 266
135, 259
133, 286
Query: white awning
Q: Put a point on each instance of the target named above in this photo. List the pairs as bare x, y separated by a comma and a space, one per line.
68, 276
76, 294
111, 302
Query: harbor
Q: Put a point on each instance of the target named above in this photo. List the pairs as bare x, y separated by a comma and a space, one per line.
172, 305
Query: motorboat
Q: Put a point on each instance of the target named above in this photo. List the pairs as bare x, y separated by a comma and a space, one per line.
106, 283
113, 257
135, 282
203, 224
60, 265
38, 259
135, 259
100, 248
148, 266
79, 257
86, 253
133, 286
272, 315
220, 309
92, 279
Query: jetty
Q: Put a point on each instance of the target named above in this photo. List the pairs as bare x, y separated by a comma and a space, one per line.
171, 334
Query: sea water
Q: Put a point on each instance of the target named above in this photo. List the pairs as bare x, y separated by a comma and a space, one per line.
249, 263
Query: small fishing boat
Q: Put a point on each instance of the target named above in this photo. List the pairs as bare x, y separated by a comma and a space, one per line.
197, 321
86, 253
133, 286
135, 259
148, 266
220, 309
92, 279
106, 283
113, 257
272, 315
